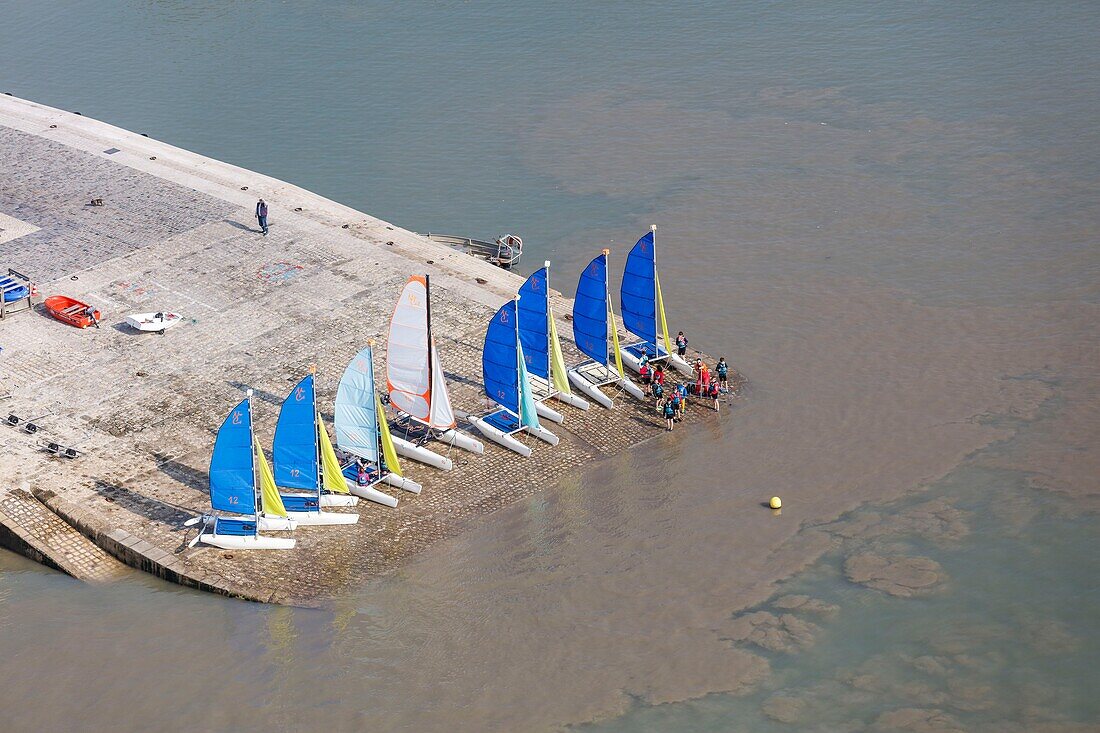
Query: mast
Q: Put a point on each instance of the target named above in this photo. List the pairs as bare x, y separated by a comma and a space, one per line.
317, 425
431, 348
610, 312
252, 452
656, 315
549, 346
519, 350
377, 415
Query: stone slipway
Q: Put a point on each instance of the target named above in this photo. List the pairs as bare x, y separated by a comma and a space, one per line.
175, 234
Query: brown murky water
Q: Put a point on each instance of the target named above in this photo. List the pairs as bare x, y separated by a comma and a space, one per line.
887, 218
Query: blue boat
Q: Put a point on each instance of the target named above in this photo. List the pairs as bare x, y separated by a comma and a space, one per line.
301, 452
597, 336
504, 369
538, 335
238, 487
643, 308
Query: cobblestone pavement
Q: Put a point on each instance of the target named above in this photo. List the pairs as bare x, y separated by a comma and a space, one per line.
258, 311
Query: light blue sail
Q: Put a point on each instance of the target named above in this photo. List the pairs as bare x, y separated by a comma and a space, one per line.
534, 309
639, 292
232, 471
590, 310
499, 357
356, 416
294, 451
528, 415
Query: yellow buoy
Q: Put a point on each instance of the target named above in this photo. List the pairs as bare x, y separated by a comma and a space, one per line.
776, 502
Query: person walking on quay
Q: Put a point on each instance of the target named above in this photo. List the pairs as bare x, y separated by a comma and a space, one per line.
261, 215
681, 344
722, 369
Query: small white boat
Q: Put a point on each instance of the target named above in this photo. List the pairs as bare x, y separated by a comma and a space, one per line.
157, 322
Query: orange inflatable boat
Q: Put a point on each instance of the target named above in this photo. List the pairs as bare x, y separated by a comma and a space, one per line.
71, 311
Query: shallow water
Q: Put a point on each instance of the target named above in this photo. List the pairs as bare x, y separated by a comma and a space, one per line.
885, 216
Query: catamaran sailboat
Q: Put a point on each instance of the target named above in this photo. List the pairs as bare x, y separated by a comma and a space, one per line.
301, 453
362, 431
597, 336
414, 377
538, 336
643, 308
505, 374
238, 486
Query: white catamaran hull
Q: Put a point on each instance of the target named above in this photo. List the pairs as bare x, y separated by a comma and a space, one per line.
247, 542
572, 400
316, 519
549, 413
633, 363
590, 390
543, 434
331, 500
276, 524
681, 366
461, 440
501, 437
422, 454
371, 494
631, 388
406, 484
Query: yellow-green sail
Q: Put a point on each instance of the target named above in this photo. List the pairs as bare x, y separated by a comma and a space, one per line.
615, 337
557, 362
661, 310
270, 501
389, 453
330, 466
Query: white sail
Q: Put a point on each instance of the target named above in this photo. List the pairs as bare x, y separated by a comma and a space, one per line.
442, 414
407, 352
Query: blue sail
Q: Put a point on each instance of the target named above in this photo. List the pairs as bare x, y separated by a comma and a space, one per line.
590, 310
232, 472
534, 308
639, 291
294, 451
498, 358
356, 416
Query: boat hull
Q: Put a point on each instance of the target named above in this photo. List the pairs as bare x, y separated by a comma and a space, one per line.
405, 484
247, 542
276, 524
421, 454
590, 390
461, 440
318, 519
331, 500
544, 435
500, 437
572, 400
372, 494
549, 413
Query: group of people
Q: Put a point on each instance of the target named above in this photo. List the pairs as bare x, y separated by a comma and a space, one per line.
671, 399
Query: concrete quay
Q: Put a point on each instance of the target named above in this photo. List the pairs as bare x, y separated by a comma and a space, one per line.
176, 233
